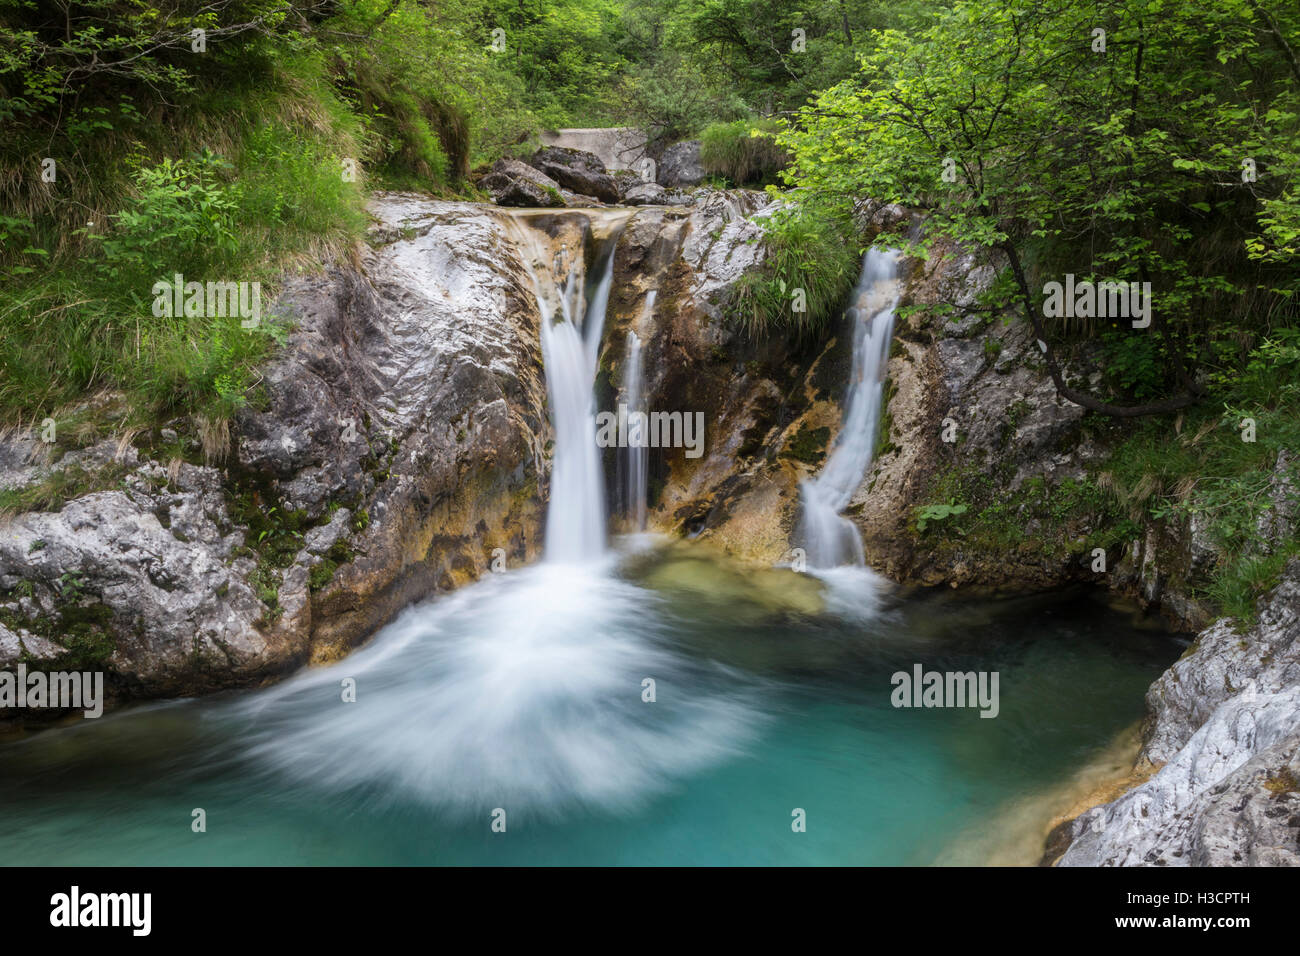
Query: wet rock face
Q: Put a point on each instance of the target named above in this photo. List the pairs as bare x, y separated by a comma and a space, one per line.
1225, 727
515, 183
436, 411
739, 493
970, 396
400, 443
578, 171
680, 166
775, 411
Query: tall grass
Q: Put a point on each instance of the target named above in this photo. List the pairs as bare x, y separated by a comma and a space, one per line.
811, 261
244, 182
744, 152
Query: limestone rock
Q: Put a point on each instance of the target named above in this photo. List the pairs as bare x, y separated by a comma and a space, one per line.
680, 165
1222, 664
578, 171
646, 194
515, 183
1225, 724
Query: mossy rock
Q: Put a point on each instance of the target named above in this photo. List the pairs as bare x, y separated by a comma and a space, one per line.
808, 445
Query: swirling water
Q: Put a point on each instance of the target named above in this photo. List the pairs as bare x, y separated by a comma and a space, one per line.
525, 693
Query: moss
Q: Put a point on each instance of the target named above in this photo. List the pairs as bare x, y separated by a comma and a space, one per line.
655, 486
273, 534
884, 445
525, 492
835, 365
265, 581
1284, 781
87, 640
808, 445
1067, 517
323, 573
83, 630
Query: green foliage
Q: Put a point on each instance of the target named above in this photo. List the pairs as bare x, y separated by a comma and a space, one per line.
1124, 164
180, 218
748, 51
666, 97
927, 513
808, 445
745, 153
1208, 474
322, 574
811, 260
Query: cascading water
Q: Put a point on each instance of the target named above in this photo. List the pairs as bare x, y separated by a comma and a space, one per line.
572, 322
634, 490
637, 460
829, 539
671, 712
524, 691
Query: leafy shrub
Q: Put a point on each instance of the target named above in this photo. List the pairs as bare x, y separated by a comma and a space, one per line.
179, 220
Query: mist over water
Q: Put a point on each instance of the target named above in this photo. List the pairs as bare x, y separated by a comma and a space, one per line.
524, 692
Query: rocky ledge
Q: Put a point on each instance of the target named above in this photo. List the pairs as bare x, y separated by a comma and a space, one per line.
398, 442
556, 177
1224, 732
399, 446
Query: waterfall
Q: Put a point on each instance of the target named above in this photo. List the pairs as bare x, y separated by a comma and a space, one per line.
632, 395
830, 539
572, 320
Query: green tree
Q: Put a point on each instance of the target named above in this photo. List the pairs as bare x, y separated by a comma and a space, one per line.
1119, 155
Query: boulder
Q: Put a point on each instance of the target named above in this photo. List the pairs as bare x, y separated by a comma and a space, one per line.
625, 179
515, 183
578, 171
399, 441
646, 194
680, 165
